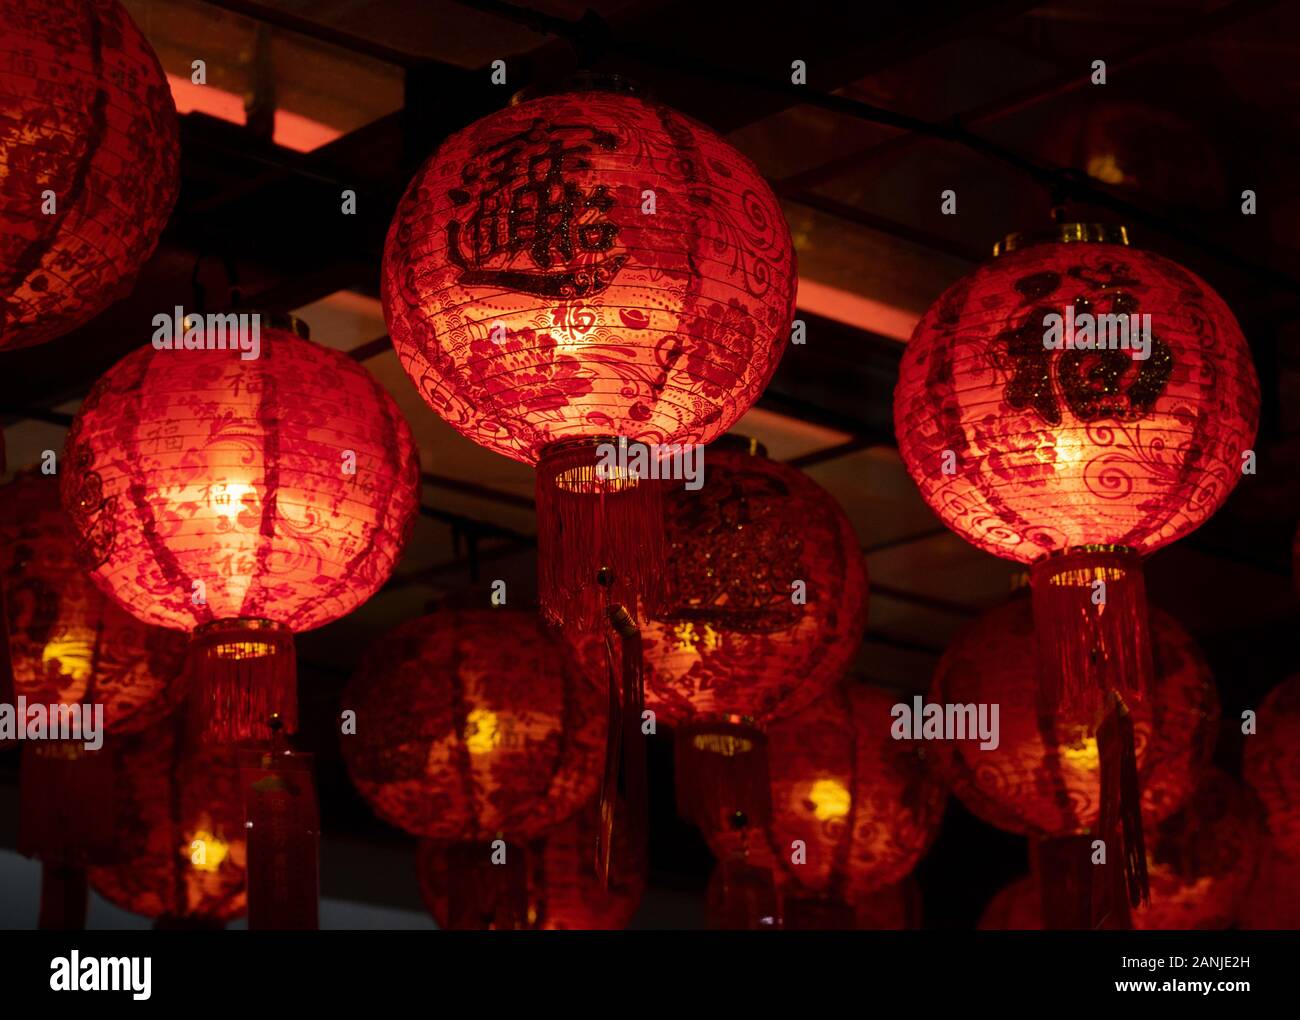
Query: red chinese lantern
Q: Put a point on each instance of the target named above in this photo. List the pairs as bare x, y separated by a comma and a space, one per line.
1046, 779
562, 891
1273, 901
475, 727
1271, 765
181, 851
1075, 405
583, 267
89, 158
1201, 863
853, 809
1078, 461
71, 644
767, 604
241, 500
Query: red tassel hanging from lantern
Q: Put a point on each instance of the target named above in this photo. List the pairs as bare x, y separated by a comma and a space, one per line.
1201, 862
91, 162
652, 307
242, 499
1048, 778
479, 729
767, 607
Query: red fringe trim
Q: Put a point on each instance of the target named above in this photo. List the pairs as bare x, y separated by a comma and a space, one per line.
485, 896
283, 828
742, 897
625, 744
600, 541
1086, 649
65, 894
244, 673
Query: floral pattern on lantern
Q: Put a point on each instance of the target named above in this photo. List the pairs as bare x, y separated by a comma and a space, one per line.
864, 805
588, 264
88, 117
735, 640
281, 488
1044, 777
1052, 449
179, 833
474, 723
70, 643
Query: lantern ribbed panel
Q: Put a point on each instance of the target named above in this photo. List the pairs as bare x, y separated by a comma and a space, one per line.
661, 326
88, 115
563, 892
1044, 777
187, 466
1057, 448
474, 723
734, 640
179, 834
1201, 861
864, 804
70, 643
1271, 765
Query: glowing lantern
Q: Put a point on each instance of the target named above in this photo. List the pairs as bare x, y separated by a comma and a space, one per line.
71, 644
1078, 460
477, 729
474, 723
767, 605
179, 833
242, 500
561, 889
1201, 863
853, 809
1271, 765
89, 159
1045, 778
581, 267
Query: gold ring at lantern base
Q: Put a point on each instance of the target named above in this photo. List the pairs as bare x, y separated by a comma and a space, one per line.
1095, 563
1065, 233
239, 638
571, 472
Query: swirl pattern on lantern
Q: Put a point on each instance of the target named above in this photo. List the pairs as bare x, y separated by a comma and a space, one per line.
89, 157
1044, 777
1271, 765
563, 891
736, 639
474, 723
588, 264
864, 804
70, 643
1023, 450
179, 833
1200, 860
281, 487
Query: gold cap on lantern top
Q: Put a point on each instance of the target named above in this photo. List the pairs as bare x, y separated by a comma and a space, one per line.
1065, 233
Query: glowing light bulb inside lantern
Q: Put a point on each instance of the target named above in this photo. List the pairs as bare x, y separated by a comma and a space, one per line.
830, 799
71, 652
205, 851
482, 731
231, 499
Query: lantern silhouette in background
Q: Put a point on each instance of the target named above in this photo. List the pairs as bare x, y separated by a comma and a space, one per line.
89, 163
241, 500
582, 267
767, 605
474, 727
1038, 439
1271, 767
853, 809
1045, 778
179, 832
71, 643
1201, 861
562, 891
